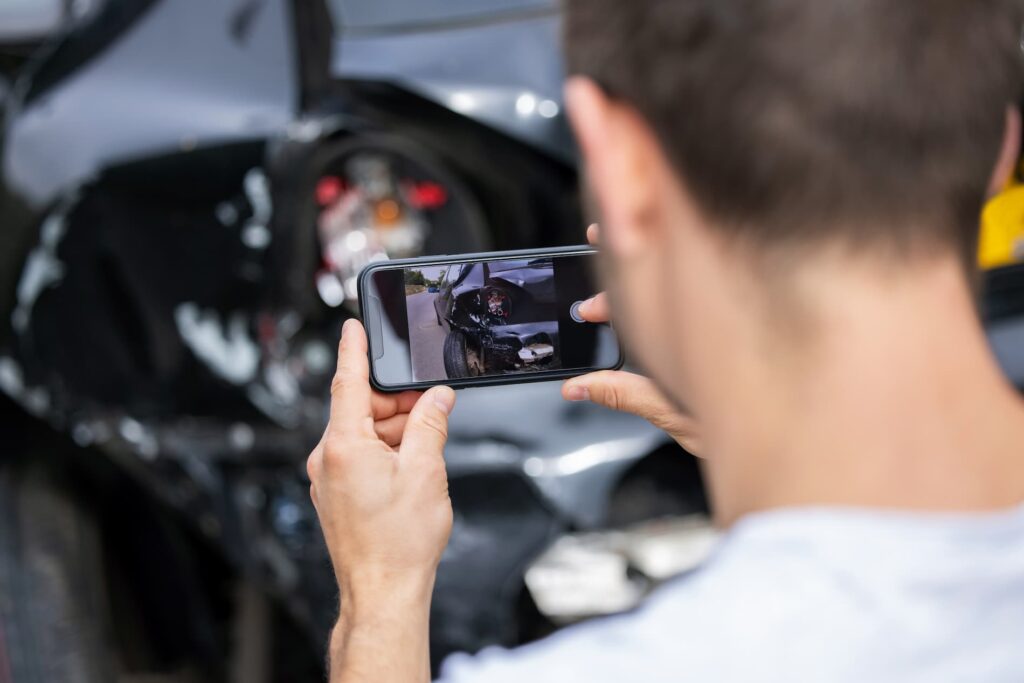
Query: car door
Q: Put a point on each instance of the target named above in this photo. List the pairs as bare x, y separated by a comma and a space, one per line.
444, 293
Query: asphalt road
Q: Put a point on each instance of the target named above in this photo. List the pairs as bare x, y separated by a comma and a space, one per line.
426, 337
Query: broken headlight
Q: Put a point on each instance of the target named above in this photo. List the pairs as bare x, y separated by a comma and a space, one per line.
496, 304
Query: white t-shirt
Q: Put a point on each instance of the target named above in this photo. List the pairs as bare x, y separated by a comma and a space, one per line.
809, 595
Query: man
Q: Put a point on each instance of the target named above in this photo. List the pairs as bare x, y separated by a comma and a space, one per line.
789, 192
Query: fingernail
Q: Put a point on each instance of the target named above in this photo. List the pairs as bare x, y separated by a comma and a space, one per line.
444, 398
578, 393
585, 306
348, 323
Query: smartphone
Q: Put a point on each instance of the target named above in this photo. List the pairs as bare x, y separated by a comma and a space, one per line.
483, 319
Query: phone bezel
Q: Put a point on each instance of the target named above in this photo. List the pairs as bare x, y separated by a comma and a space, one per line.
446, 259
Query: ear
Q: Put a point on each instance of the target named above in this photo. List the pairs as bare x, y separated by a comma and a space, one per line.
1009, 153
619, 151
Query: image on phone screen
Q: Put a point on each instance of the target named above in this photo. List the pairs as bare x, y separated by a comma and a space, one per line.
491, 318
477, 319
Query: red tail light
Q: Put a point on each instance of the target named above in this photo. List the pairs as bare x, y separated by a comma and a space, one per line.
329, 189
427, 195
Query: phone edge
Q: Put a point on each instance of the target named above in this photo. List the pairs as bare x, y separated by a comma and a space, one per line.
443, 259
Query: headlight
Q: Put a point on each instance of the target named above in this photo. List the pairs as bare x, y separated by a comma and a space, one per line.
497, 304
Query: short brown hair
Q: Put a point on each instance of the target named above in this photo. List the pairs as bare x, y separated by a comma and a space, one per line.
877, 121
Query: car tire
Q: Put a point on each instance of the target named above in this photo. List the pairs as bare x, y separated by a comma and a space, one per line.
54, 620
456, 364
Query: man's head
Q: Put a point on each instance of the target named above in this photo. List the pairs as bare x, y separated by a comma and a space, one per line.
733, 144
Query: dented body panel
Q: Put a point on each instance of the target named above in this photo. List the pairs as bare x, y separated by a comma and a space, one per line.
158, 254
523, 331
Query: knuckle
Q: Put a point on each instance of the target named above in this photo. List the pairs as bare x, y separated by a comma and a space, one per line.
684, 430
334, 453
432, 421
342, 378
613, 398
348, 363
386, 434
337, 382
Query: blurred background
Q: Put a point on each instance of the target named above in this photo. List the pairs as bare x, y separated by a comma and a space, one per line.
188, 189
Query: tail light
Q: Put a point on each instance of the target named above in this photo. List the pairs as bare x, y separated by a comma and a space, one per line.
426, 195
329, 190
381, 198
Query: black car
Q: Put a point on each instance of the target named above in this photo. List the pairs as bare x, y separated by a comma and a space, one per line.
188, 189
500, 317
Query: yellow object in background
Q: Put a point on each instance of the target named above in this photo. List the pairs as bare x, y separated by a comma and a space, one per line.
1002, 229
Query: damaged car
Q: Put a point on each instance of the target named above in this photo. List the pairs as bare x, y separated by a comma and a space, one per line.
188, 190
500, 317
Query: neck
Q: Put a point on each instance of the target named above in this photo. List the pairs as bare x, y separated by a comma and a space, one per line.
895, 402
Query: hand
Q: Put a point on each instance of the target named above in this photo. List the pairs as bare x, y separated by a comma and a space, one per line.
379, 485
628, 391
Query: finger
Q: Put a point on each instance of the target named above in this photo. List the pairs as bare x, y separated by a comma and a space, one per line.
595, 309
350, 390
426, 431
636, 394
593, 233
390, 430
620, 390
385, 405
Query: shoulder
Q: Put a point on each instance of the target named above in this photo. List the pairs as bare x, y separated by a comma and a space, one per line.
713, 622
620, 648
751, 611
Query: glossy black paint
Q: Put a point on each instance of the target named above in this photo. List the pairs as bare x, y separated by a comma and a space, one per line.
528, 313
156, 258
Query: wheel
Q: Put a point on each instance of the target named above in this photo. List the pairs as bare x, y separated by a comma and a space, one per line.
79, 598
54, 624
460, 358
455, 365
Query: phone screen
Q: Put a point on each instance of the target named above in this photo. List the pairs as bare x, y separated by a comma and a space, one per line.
486, 319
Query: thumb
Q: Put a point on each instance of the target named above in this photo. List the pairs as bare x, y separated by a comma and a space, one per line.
426, 430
